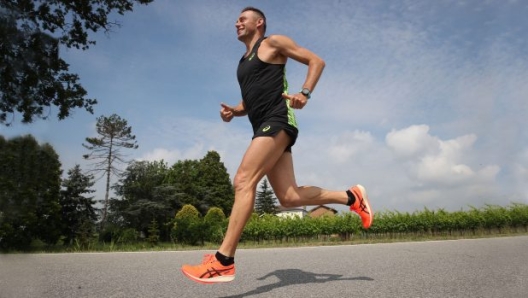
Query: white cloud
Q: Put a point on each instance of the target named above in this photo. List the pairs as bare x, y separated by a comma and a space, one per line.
349, 145
412, 141
435, 162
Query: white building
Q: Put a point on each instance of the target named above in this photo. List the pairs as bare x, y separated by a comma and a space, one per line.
291, 212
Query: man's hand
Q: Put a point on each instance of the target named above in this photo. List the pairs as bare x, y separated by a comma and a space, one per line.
226, 112
297, 101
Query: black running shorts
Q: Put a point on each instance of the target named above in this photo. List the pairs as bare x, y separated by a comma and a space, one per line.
271, 128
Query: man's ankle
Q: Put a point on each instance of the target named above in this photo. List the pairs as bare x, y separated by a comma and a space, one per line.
224, 260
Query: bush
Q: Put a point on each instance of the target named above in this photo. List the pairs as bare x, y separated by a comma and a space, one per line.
188, 226
128, 236
215, 222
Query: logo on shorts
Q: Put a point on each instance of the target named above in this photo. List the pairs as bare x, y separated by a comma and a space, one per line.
266, 128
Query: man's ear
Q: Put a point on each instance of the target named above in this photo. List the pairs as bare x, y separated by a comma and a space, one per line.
260, 22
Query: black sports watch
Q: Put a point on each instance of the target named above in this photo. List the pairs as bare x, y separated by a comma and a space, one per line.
306, 92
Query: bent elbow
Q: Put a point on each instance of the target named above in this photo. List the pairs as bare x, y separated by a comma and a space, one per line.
322, 63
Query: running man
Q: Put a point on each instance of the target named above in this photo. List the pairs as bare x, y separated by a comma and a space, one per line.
269, 107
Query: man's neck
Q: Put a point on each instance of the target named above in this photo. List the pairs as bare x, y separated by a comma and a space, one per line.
250, 42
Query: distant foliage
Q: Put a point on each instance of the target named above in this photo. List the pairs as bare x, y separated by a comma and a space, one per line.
204, 183
215, 223
490, 219
78, 210
153, 230
189, 226
265, 201
152, 189
143, 194
29, 193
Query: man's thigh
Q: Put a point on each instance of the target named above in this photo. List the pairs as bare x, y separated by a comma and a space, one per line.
262, 155
282, 177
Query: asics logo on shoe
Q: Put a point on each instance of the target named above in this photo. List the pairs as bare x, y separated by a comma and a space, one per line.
363, 207
266, 128
214, 272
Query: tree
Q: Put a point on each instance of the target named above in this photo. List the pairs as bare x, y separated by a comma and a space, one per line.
29, 192
205, 183
115, 134
49, 228
144, 195
153, 235
214, 178
78, 211
185, 174
265, 202
33, 77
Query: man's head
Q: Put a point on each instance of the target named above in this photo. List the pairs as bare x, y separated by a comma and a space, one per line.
251, 20
258, 15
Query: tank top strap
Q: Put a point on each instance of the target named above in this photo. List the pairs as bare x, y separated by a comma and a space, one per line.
257, 44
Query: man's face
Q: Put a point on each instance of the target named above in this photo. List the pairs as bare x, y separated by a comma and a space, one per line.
246, 25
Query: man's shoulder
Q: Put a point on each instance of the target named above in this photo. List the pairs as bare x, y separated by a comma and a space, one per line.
276, 40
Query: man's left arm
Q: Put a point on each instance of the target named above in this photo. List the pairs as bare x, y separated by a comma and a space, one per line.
288, 48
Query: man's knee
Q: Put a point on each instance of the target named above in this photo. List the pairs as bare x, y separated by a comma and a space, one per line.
289, 200
242, 182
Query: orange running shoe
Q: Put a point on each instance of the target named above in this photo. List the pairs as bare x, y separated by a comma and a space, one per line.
210, 271
362, 206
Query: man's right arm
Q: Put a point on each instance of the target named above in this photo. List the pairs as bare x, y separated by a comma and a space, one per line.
227, 112
240, 109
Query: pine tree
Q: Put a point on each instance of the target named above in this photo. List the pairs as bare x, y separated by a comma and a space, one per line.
153, 236
115, 134
265, 202
78, 212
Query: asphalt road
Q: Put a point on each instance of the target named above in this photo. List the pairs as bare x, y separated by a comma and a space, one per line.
496, 267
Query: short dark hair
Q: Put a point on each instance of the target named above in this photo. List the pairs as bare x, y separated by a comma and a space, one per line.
258, 12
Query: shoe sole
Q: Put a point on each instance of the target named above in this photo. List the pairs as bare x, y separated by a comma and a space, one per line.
366, 202
211, 280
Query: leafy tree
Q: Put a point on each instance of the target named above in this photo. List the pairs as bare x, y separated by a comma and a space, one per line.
265, 202
185, 174
29, 192
33, 77
204, 183
49, 228
115, 134
78, 211
213, 177
143, 195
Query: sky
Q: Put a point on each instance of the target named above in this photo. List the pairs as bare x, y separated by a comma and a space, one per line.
424, 103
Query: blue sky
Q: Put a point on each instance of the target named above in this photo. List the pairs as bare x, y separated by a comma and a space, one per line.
423, 102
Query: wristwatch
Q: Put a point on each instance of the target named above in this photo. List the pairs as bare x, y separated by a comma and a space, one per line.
306, 92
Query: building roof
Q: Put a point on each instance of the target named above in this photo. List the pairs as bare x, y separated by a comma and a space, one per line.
324, 207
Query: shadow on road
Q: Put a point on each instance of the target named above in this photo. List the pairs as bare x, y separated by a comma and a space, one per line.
295, 277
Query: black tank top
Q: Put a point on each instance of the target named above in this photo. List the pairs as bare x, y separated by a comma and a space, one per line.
262, 85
